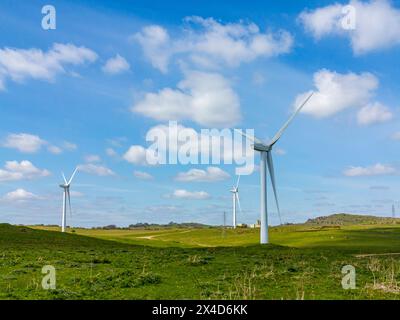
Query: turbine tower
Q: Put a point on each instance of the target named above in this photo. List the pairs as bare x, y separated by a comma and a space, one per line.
266, 159
66, 197
235, 197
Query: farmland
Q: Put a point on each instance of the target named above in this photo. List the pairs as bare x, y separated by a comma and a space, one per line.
302, 262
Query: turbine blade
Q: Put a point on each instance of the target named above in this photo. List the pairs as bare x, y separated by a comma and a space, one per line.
251, 138
73, 174
237, 183
238, 201
272, 175
63, 175
280, 132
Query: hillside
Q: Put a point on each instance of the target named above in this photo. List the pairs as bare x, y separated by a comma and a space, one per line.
342, 219
302, 263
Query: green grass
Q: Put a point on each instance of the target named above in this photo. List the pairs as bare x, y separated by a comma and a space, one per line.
303, 262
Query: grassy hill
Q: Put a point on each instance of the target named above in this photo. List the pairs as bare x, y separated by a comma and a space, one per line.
304, 262
342, 219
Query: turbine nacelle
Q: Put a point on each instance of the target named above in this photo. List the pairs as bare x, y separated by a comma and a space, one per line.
262, 147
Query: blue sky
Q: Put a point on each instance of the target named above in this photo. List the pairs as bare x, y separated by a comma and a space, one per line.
85, 93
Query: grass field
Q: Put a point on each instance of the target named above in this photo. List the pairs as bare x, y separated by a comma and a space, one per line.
303, 262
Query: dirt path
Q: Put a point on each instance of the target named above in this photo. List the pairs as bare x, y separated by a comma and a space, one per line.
160, 235
376, 254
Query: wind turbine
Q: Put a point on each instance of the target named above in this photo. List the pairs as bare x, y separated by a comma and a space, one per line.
266, 159
66, 197
235, 197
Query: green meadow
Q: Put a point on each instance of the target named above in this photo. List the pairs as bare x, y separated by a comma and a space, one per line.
302, 262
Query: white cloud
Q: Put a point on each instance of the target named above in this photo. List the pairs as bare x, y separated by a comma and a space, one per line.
155, 43
234, 43
377, 24
280, 152
117, 142
396, 136
14, 170
20, 195
190, 195
374, 113
258, 78
208, 42
143, 175
69, 146
136, 155
92, 158
30, 143
336, 92
111, 152
95, 169
205, 98
76, 194
322, 21
24, 142
116, 65
211, 174
21, 64
54, 149
375, 170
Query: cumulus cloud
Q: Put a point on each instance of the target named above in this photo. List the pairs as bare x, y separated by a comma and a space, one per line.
396, 136
24, 142
374, 113
30, 143
336, 92
189, 195
116, 65
111, 152
92, 158
377, 24
280, 151
21, 64
143, 175
155, 43
54, 149
211, 174
69, 146
95, 169
24, 170
136, 154
204, 98
208, 42
20, 195
375, 170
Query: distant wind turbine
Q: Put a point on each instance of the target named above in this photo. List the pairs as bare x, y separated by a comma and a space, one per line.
66, 197
266, 159
235, 197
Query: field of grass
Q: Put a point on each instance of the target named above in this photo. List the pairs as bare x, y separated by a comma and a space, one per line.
302, 262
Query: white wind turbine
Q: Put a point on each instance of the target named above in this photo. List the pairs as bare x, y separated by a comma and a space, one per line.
235, 197
266, 159
66, 197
